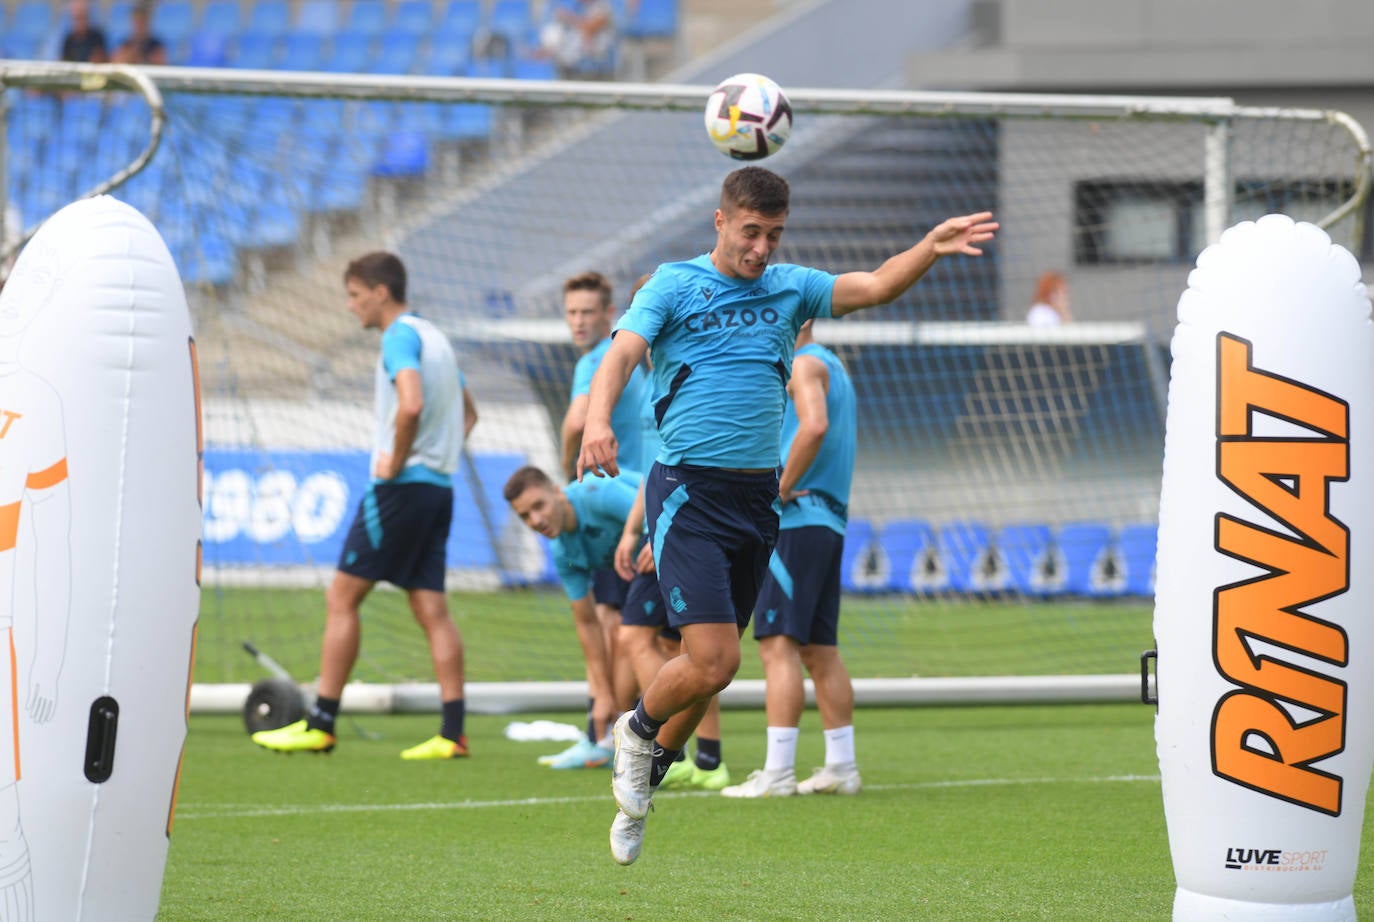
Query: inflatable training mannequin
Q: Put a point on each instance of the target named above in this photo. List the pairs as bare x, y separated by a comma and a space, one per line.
1264, 618
99, 560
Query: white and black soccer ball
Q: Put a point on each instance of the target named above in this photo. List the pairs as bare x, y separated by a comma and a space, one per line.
748, 117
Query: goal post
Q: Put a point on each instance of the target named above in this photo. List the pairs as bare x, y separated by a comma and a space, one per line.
1006, 493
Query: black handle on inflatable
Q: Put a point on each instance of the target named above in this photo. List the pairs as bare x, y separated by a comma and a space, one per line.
100, 739
1145, 696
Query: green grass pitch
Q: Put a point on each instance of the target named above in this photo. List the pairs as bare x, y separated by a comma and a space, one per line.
987, 813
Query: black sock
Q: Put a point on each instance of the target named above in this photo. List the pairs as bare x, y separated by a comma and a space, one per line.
663, 760
452, 727
591, 721
323, 714
708, 754
641, 724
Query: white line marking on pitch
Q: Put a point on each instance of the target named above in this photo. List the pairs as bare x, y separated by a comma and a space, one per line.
230, 811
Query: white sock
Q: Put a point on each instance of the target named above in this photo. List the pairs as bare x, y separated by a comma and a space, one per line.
839, 745
782, 749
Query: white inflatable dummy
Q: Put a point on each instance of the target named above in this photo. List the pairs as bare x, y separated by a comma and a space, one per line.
1263, 622
99, 558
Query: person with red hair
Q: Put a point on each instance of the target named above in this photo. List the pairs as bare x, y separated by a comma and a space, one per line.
1051, 305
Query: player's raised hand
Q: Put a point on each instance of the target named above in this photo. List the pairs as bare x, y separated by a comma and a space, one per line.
598, 454
963, 234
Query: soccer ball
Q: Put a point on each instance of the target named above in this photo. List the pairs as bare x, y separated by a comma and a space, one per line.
748, 117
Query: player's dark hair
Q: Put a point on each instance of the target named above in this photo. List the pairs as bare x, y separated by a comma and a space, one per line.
755, 189
526, 477
380, 268
590, 281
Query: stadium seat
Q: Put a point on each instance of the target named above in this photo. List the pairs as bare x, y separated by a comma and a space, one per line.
318, 16
1034, 565
173, 21
302, 51
223, 18
447, 56
972, 561
863, 566
207, 49
210, 260
270, 16
534, 69
33, 19
512, 18
352, 53
255, 51
652, 19
913, 564
397, 53
461, 17
1138, 545
414, 17
20, 46
1090, 564
403, 155
115, 20
467, 122
367, 16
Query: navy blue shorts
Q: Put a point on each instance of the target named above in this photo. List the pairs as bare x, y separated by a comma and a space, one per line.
399, 535
801, 594
608, 588
644, 603
712, 531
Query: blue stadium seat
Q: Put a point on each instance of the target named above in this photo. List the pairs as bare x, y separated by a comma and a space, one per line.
1090, 565
513, 19
173, 21
115, 20
1033, 562
352, 53
20, 46
223, 18
447, 56
207, 49
461, 17
653, 19
863, 566
367, 16
913, 562
487, 68
397, 53
414, 17
469, 122
209, 259
971, 560
33, 19
270, 16
303, 51
403, 155
255, 51
534, 69
318, 16
1138, 545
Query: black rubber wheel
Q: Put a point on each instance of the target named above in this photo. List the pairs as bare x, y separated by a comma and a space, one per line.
272, 703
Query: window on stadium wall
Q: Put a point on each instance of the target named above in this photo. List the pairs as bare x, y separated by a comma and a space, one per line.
1137, 222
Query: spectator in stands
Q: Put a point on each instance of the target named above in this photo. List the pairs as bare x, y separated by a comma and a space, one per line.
424, 414
142, 46
84, 41
1051, 304
720, 326
580, 37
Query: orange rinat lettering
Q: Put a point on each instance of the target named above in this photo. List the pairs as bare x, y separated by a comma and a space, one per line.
9, 419
1257, 741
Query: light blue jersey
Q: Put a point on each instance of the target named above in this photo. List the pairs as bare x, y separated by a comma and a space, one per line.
722, 355
413, 342
830, 474
602, 504
625, 422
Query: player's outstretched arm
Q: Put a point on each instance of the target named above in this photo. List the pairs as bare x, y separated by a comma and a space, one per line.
599, 445
963, 235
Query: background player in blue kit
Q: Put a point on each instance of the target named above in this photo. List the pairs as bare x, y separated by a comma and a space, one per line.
796, 619
722, 328
583, 523
400, 533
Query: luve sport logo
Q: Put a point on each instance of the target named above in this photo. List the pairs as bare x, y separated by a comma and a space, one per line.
1285, 474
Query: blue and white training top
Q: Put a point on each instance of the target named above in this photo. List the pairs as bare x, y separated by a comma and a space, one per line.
413, 342
830, 474
722, 354
602, 504
625, 422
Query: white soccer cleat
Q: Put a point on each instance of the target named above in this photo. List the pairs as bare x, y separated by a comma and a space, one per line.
630, 770
763, 783
841, 778
627, 838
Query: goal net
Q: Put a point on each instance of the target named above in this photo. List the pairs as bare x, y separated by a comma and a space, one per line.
1004, 508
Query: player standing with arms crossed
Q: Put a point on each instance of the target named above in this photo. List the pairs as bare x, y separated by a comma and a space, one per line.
722, 327
400, 533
